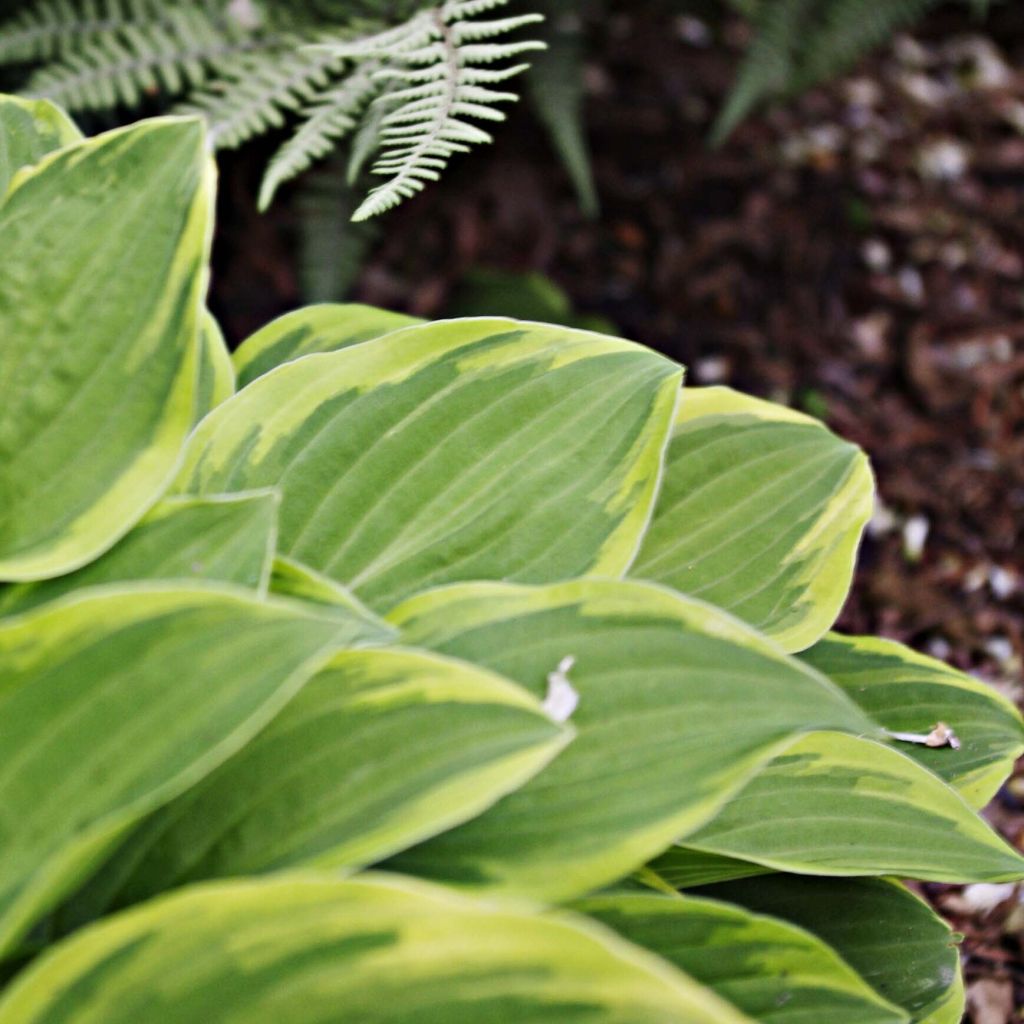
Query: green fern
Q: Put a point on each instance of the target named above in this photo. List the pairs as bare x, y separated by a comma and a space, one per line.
440, 60
403, 77
798, 43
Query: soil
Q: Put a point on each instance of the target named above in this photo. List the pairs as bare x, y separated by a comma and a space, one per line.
857, 252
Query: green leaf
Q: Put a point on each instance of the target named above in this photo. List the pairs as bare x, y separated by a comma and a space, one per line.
105, 245
228, 538
908, 692
760, 513
843, 805
772, 971
654, 755
216, 371
556, 82
683, 867
29, 129
889, 936
312, 329
374, 949
292, 579
381, 749
474, 449
114, 702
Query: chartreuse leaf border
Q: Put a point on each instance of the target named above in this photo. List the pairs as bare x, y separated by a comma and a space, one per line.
381, 749
650, 737
760, 513
325, 327
29, 130
892, 938
216, 371
908, 692
846, 805
386, 949
475, 449
230, 538
771, 970
109, 711
90, 432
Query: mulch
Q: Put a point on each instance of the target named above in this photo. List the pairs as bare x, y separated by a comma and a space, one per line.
857, 252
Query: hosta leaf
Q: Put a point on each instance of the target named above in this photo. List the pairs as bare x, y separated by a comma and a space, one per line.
760, 513
889, 936
116, 701
683, 867
29, 129
380, 750
228, 538
216, 371
292, 579
842, 805
654, 754
104, 249
772, 971
908, 692
476, 449
321, 328
373, 949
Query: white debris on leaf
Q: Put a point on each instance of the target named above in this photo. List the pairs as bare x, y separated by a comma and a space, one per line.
941, 736
562, 698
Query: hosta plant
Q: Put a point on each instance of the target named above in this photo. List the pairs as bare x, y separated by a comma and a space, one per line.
461, 671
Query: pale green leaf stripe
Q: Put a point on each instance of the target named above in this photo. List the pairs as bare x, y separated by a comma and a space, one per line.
473, 449
105, 242
760, 513
115, 701
216, 371
327, 327
371, 950
773, 971
29, 129
292, 579
842, 805
907, 692
890, 937
381, 749
654, 755
228, 538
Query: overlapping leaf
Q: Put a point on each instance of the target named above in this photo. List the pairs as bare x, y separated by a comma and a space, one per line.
654, 755
321, 328
488, 449
760, 513
292, 579
381, 749
216, 371
373, 950
228, 538
115, 701
843, 805
773, 971
29, 130
908, 692
889, 936
105, 243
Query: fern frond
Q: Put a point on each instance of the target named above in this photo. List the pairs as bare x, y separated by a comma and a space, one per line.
335, 115
555, 83
46, 29
438, 69
255, 91
176, 51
